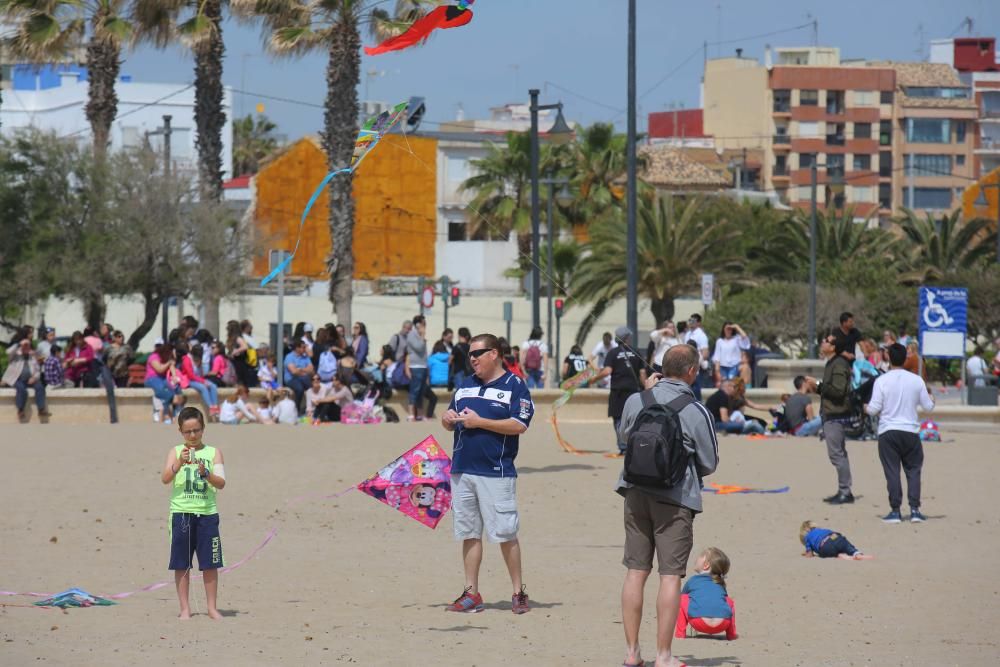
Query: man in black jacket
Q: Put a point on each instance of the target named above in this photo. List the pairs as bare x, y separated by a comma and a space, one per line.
835, 409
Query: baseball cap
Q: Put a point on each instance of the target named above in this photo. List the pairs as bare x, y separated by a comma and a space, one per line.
623, 332
158, 341
307, 328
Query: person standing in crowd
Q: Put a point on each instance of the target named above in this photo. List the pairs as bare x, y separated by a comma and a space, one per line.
976, 370
799, 413
23, 373
835, 410
534, 352
663, 338
628, 373
896, 397
731, 342
913, 361
342, 334
246, 329
459, 364
398, 340
236, 349
849, 334
487, 414
661, 520
359, 342
416, 353
448, 339
307, 337
298, 371
575, 363
696, 337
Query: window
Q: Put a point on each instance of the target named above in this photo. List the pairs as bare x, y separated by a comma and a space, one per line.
835, 134
863, 194
457, 169
781, 134
885, 164
808, 130
782, 101
808, 98
885, 97
928, 130
838, 198
928, 165
885, 133
960, 132
864, 98
806, 160
835, 101
933, 198
781, 165
131, 137
835, 166
938, 92
456, 231
862, 130
803, 193
862, 163
885, 196
959, 160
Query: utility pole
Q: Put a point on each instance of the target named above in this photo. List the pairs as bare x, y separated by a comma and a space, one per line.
632, 253
536, 315
550, 227
165, 132
812, 261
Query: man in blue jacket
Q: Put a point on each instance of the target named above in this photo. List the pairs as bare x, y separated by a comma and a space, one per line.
488, 412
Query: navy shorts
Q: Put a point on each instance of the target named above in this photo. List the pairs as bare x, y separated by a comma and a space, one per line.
195, 533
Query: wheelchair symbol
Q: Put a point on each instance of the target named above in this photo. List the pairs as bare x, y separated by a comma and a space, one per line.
935, 315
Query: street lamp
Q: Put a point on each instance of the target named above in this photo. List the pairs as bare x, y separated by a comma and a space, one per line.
565, 198
631, 242
560, 133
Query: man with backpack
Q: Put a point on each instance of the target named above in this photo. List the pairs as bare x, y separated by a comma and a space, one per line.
398, 340
533, 355
670, 446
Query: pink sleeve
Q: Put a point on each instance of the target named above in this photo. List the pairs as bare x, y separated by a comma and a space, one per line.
187, 367
218, 365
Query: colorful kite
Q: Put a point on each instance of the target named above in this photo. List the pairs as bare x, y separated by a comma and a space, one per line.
74, 597
439, 18
569, 386
418, 483
726, 489
371, 133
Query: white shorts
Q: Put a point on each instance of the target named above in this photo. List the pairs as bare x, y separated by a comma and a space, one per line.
489, 503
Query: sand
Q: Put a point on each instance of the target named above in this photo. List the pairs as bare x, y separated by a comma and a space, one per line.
351, 581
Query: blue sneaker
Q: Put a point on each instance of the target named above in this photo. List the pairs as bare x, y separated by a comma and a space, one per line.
892, 517
916, 516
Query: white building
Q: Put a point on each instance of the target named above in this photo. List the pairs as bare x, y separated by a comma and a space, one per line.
53, 98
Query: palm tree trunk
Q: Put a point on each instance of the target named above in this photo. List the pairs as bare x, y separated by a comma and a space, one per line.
103, 65
340, 127
209, 118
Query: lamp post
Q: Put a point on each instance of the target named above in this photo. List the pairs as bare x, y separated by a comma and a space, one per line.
564, 197
632, 252
835, 181
560, 132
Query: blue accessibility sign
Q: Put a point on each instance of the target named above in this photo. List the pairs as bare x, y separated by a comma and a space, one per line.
943, 321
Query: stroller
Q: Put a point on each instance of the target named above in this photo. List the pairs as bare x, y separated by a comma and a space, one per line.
862, 426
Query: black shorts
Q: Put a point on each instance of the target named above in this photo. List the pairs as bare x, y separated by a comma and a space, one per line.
191, 533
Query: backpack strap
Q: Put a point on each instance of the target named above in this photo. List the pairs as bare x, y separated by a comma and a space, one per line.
681, 402
647, 398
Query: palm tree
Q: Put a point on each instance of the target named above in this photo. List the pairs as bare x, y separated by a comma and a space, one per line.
944, 245
677, 241
52, 30
295, 27
598, 166
253, 140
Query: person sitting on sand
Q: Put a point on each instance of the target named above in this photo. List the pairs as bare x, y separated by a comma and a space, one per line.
705, 604
196, 474
826, 543
234, 410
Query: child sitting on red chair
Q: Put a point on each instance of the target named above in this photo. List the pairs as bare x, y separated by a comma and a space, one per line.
705, 605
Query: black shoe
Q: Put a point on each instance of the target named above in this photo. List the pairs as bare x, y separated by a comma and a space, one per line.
840, 499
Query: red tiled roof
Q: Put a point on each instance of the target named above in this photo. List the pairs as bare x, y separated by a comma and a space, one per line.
237, 183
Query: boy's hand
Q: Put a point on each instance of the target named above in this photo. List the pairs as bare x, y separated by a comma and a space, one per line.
201, 469
185, 456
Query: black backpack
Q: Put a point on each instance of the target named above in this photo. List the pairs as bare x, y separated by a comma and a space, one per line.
655, 454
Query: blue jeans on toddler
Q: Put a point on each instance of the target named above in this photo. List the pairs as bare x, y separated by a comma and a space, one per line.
834, 545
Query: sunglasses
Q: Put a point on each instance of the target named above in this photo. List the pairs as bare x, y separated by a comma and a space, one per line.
475, 354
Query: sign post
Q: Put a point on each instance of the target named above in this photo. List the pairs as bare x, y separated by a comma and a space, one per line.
942, 324
508, 316
707, 290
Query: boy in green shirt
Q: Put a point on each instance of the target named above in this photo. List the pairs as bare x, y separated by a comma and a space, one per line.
197, 473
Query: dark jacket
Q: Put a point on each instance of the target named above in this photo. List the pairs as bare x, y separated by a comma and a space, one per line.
835, 390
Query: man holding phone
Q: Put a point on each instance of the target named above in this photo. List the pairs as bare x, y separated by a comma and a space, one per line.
488, 412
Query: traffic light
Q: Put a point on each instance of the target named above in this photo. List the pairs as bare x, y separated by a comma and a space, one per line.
559, 307
455, 293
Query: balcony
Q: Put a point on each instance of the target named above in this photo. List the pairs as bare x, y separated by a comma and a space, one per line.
988, 146
835, 174
782, 107
782, 139
835, 140
780, 171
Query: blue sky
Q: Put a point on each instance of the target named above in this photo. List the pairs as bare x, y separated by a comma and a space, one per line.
574, 51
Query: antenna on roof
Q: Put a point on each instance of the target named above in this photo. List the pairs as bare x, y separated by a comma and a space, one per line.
919, 51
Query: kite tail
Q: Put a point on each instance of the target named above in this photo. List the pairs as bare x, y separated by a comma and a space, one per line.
305, 213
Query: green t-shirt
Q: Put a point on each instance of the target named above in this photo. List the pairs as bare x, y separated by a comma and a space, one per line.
192, 494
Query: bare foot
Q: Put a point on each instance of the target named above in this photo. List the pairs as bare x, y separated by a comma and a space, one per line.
184, 615
861, 556
633, 657
668, 661
214, 615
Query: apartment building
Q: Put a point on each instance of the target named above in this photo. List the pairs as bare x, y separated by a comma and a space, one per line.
978, 66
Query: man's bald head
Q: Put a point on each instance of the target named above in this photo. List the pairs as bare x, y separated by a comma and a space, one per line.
678, 362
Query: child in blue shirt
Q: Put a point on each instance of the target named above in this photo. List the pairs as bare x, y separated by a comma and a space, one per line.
705, 605
826, 543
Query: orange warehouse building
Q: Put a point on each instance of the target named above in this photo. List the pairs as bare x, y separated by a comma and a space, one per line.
395, 216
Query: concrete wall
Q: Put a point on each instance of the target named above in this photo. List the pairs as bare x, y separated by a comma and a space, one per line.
736, 103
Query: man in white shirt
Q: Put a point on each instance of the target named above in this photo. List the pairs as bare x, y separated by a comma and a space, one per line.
975, 368
599, 353
697, 338
896, 397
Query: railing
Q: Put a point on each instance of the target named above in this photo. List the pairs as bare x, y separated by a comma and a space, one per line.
782, 106
834, 173
834, 140
780, 170
782, 139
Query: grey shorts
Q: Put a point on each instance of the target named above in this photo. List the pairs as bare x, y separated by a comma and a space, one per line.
484, 503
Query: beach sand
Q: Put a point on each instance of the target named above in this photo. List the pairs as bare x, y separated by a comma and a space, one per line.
350, 581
